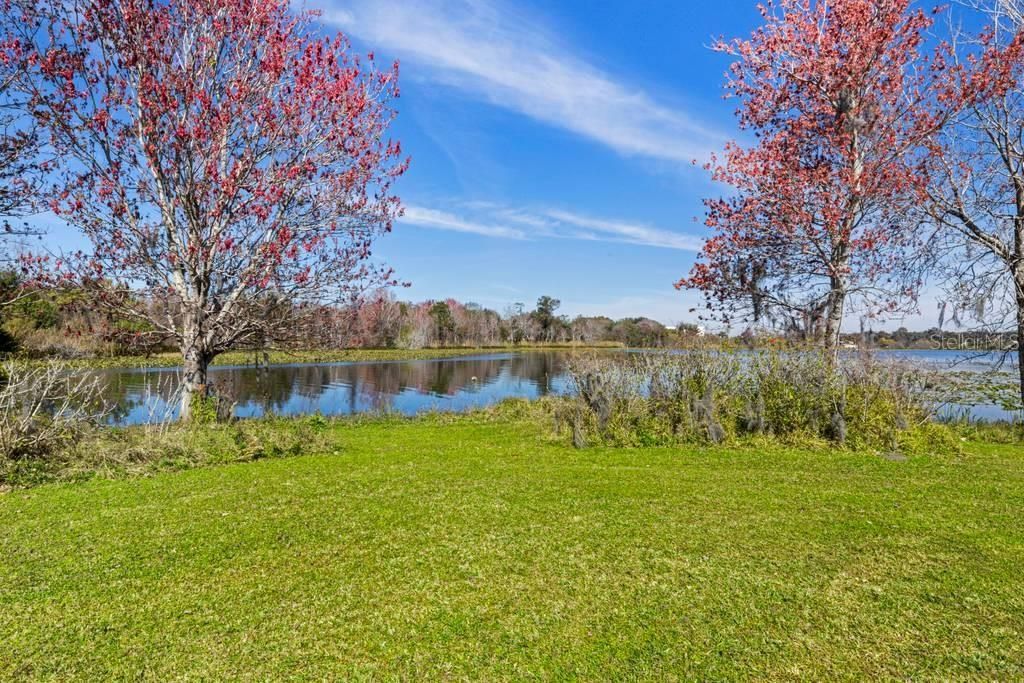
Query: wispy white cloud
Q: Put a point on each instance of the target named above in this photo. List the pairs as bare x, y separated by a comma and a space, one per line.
503, 57
492, 220
634, 233
442, 220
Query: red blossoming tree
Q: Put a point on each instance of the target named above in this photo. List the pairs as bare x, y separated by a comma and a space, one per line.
823, 215
219, 155
977, 175
21, 167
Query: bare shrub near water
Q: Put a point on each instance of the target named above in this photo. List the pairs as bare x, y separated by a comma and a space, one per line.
708, 396
144, 450
44, 408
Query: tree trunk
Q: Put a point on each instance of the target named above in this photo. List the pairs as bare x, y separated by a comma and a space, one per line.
834, 319
194, 377
1020, 339
1016, 267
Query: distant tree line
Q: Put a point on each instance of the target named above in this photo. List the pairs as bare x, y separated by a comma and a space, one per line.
936, 338
382, 321
63, 323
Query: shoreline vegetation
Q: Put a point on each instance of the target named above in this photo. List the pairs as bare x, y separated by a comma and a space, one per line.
143, 451
172, 359
627, 401
631, 400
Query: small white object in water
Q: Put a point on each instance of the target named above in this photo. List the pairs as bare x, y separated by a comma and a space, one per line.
473, 378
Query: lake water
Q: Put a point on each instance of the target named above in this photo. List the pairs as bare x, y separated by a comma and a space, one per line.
410, 387
407, 387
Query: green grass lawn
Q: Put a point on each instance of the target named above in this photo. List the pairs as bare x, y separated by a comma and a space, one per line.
475, 548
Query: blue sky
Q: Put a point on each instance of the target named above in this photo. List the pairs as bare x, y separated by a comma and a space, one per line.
552, 145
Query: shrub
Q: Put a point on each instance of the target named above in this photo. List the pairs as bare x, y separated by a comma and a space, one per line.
713, 397
115, 452
43, 408
203, 409
48, 343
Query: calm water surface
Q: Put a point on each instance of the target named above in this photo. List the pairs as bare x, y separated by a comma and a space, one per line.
407, 387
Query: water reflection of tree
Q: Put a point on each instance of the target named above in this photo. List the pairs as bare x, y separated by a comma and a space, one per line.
539, 368
126, 391
365, 385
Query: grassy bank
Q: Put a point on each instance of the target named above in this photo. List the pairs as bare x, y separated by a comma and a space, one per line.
172, 359
476, 547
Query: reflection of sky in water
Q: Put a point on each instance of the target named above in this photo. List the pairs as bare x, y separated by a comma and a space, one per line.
973, 361
410, 387
983, 412
346, 399
406, 387
993, 364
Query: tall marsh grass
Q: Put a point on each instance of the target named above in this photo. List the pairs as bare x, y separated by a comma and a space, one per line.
713, 397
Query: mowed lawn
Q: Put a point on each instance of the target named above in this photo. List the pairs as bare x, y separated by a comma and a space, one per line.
482, 550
